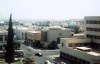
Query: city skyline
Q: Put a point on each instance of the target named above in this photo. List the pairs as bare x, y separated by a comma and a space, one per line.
49, 9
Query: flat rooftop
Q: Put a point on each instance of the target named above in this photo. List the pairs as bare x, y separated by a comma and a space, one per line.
34, 31
3, 31
88, 50
94, 53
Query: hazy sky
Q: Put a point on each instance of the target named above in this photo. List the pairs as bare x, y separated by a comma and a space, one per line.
49, 9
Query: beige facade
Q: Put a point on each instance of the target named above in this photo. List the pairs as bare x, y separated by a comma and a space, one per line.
87, 55
83, 50
54, 33
33, 35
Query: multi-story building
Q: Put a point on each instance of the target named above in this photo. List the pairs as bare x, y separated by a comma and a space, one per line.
83, 50
78, 51
3, 38
92, 30
54, 33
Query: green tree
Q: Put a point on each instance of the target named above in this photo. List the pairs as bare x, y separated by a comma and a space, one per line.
37, 44
52, 45
9, 55
16, 45
74, 27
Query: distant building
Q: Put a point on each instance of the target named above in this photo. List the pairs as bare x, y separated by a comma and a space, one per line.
77, 22
3, 38
15, 23
59, 23
20, 32
81, 24
1, 25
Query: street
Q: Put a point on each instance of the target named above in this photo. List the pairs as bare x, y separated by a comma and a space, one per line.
47, 54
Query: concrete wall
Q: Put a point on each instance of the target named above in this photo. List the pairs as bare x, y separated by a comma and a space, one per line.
37, 36
77, 53
92, 18
19, 35
34, 36
44, 36
67, 41
80, 54
54, 34
72, 40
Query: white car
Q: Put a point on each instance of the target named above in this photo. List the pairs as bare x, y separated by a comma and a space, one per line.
47, 62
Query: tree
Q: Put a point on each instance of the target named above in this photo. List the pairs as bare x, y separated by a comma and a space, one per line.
52, 45
74, 27
9, 55
29, 60
16, 44
37, 44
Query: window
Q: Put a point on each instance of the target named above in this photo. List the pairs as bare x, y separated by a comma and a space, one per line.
22, 33
93, 36
62, 44
70, 45
92, 22
93, 29
1, 38
60, 34
5, 38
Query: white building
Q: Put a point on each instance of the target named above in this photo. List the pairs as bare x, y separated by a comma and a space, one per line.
54, 33
92, 25
79, 51
83, 50
20, 32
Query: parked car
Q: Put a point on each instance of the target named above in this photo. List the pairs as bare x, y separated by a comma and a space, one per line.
38, 54
47, 62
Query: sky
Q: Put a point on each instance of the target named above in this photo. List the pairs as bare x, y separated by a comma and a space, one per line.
49, 9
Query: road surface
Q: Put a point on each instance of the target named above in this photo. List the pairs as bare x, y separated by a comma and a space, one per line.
47, 54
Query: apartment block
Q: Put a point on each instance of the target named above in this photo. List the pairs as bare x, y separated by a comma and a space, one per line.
83, 50
92, 29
